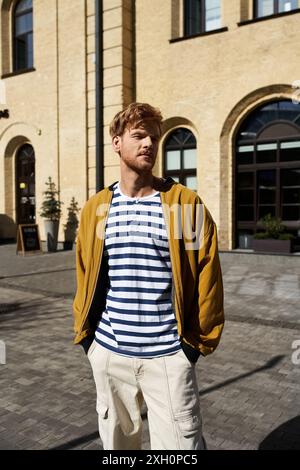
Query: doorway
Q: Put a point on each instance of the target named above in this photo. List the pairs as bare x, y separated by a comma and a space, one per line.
25, 185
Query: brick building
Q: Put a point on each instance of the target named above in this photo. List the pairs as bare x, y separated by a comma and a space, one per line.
225, 75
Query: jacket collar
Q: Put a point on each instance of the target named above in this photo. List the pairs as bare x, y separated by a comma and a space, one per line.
163, 184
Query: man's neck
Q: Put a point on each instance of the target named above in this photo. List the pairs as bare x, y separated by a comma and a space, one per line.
138, 185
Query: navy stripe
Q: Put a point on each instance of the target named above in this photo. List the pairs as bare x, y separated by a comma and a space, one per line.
140, 256
119, 194
133, 203
105, 333
125, 223
136, 245
141, 268
139, 345
130, 312
144, 290
138, 323
152, 280
129, 212
142, 335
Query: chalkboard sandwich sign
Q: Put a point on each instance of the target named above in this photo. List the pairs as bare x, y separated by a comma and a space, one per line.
28, 239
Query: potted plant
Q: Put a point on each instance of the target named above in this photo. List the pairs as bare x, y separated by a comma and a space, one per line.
274, 238
51, 212
71, 224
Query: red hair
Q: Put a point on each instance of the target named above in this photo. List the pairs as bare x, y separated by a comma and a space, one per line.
134, 115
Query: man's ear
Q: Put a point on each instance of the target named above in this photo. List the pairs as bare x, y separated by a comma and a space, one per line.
116, 140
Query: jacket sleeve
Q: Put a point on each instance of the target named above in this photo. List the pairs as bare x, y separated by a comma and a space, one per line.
210, 289
80, 275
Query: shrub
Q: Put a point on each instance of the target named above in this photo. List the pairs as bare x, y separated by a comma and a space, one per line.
51, 206
273, 229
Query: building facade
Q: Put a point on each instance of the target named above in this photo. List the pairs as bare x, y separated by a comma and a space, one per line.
225, 74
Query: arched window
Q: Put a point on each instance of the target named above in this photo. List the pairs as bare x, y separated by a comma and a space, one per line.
180, 157
268, 167
23, 35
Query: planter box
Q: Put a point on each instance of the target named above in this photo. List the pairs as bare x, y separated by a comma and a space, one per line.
245, 241
271, 245
51, 231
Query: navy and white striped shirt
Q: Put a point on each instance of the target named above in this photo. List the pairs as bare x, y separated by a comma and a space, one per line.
138, 320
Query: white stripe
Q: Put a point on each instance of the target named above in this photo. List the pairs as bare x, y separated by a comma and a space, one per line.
136, 340
138, 329
156, 209
136, 250
146, 262
134, 307
141, 295
159, 284
140, 317
135, 229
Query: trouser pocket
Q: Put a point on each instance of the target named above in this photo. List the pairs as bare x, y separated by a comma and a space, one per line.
91, 348
188, 422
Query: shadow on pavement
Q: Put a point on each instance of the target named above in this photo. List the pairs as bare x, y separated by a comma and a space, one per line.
37, 273
285, 437
78, 441
29, 312
9, 307
271, 363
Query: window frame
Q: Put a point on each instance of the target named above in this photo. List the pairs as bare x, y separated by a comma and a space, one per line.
181, 172
265, 135
276, 11
29, 67
278, 165
202, 29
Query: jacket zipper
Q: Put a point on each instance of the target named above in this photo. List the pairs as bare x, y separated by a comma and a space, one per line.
98, 270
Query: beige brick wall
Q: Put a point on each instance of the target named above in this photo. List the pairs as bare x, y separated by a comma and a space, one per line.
118, 74
117, 80
204, 78
208, 84
48, 106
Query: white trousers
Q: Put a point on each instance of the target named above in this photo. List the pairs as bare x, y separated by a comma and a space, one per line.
169, 387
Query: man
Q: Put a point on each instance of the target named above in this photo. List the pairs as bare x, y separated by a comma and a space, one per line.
149, 294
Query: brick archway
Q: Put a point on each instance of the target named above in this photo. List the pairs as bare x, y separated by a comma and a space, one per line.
227, 141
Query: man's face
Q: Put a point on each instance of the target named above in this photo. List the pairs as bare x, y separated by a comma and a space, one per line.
138, 147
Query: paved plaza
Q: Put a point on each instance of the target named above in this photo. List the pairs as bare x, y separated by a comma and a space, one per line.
249, 387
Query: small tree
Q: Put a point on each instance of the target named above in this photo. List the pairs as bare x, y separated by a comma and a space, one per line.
73, 210
71, 225
51, 206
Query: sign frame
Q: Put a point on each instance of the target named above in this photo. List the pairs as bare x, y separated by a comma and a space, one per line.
22, 246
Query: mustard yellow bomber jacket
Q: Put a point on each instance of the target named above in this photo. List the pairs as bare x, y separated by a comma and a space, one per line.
197, 293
